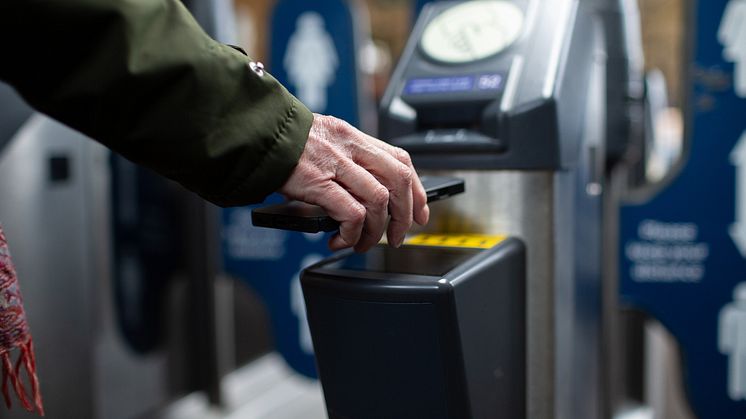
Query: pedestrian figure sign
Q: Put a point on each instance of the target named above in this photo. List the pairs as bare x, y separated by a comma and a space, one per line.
732, 333
311, 61
314, 54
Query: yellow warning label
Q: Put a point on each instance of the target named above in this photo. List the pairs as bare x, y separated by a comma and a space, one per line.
479, 241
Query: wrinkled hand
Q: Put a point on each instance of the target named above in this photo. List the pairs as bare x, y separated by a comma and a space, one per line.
359, 181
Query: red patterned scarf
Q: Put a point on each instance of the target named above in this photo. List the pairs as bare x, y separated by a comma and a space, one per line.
15, 333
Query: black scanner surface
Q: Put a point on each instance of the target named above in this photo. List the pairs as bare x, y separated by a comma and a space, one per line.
407, 260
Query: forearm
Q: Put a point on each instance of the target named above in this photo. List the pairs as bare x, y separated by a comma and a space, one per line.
141, 77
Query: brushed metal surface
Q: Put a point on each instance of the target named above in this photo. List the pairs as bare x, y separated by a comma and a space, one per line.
559, 221
517, 203
60, 238
48, 230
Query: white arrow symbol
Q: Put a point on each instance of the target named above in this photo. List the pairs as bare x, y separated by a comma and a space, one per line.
737, 230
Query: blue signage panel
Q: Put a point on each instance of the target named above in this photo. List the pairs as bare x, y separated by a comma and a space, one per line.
313, 54
682, 253
419, 4
269, 261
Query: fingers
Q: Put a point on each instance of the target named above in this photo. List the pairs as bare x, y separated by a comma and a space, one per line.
359, 181
397, 178
401, 207
374, 196
421, 212
343, 207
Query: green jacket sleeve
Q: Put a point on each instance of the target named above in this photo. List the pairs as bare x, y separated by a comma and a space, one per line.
141, 77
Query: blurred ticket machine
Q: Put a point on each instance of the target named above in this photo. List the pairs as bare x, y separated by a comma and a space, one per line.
510, 96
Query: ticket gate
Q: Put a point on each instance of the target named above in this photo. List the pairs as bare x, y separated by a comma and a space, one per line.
510, 96
531, 151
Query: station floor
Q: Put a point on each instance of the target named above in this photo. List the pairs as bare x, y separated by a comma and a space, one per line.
264, 389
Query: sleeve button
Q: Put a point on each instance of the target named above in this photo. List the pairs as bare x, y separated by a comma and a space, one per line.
257, 67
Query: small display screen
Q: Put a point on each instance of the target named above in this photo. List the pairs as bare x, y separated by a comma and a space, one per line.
453, 84
412, 260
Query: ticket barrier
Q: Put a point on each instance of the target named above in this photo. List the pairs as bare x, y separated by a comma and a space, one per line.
522, 121
429, 330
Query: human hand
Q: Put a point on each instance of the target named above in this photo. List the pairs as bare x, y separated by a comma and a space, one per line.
359, 181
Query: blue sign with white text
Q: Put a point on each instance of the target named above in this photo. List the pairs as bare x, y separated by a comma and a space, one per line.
270, 261
683, 252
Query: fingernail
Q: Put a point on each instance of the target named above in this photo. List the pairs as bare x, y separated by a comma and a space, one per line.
399, 242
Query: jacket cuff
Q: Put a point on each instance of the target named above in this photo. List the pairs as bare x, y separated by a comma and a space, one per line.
279, 161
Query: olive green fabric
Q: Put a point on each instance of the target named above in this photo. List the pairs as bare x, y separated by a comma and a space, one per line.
141, 77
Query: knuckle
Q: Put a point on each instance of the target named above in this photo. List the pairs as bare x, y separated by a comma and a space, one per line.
341, 166
405, 175
381, 198
342, 128
401, 155
357, 215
